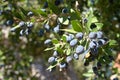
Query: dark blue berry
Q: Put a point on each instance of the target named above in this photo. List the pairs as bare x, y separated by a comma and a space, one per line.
9, 22
94, 51
62, 65
73, 42
47, 41
1, 12
93, 44
56, 29
85, 20
76, 56
21, 24
79, 35
99, 34
68, 59
69, 37
51, 59
95, 70
101, 42
30, 24
30, 13
116, 78
45, 5
41, 32
86, 63
79, 49
55, 53
47, 27
92, 35
64, 10
57, 2
22, 32
27, 31
99, 64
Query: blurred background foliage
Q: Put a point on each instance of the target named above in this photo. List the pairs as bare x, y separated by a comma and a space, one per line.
24, 58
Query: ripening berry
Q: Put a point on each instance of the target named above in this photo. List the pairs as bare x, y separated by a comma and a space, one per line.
27, 31
64, 10
79, 49
55, 53
99, 64
62, 65
92, 35
75, 56
22, 32
1, 12
69, 37
92, 44
30, 13
95, 70
47, 41
79, 35
21, 24
68, 59
41, 32
101, 42
116, 78
94, 51
56, 29
9, 22
57, 2
86, 63
99, 34
93, 25
85, 20
73, 42
30, 24
45, 5
51, 59
47, 27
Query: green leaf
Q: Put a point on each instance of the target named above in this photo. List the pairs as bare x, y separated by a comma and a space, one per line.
76, 25
69, 30
68, 51
74, 15
112, 42
87, 74
50, 67
64, 38
1, 53
55, 41
39, 12
48, 49
53, 7
91, 19
23, 11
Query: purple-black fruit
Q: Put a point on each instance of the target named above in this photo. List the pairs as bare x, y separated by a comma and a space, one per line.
79, 35
21, 24
68, 59
92, 35
48, 41
30, 13
79, 49
51, 59
99, 34
73, 42
76, 56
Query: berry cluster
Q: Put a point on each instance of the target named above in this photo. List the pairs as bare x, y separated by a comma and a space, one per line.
26, 27
65, 50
